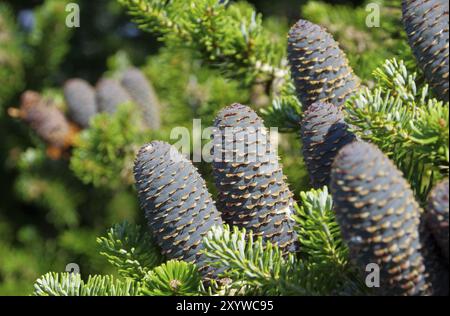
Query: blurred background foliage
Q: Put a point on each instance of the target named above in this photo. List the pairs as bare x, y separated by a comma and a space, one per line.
52, 210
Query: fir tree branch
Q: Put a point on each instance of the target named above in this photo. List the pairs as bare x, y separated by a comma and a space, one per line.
71, 284
285, 112
11, 54
322, 245
230, 37
49, 185
132, 252
190, 89
48, 41
406, 123
173, 278
319, 233
104, 153
51, 195
246, 260
256, 268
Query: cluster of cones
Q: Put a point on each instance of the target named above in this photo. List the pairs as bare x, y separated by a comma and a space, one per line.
83, 102
253, 193
379, 217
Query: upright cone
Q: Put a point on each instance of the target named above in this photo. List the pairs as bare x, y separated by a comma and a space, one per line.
110, 94
379, 219
45, 119
319, 68
323, 133
80, 99
142, 92
252, 191
426, 24
437, 216
176, 202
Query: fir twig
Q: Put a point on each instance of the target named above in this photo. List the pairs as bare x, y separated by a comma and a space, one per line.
130, 251
405, 123
71, 284
173, 278
228, 36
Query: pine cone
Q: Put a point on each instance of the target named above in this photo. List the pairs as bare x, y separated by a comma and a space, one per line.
426, 24
177, 204
436, 269
80, 98
379, 218
110, 94
323, 132
252, 191
45, 119
142, 92
319, 68
437, 215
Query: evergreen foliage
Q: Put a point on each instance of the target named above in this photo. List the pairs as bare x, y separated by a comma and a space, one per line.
258, 268
189, 89
47, 216
11, 63
227, 35
175, 278
319, 232
285, 112
406, 123
71, 284
253, 266
213, 53
130, 251
104, 153
47, 43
